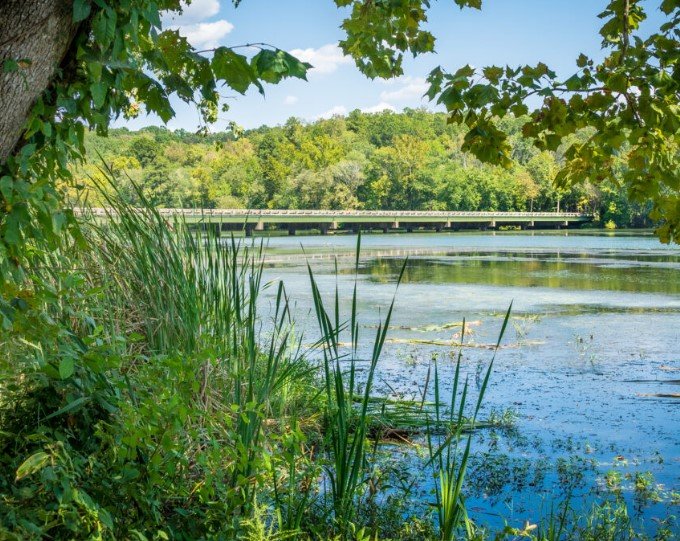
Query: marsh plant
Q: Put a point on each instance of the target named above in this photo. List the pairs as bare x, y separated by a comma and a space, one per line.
144, 395
449, 458
151, 399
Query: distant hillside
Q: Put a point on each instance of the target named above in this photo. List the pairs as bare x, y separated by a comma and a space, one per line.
410, 160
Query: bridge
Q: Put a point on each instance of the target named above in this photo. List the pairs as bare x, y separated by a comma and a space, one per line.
354, 220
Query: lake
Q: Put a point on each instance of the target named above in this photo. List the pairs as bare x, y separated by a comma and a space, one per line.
586, 377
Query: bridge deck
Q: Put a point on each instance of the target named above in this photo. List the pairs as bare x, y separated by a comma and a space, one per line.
242, 216
326, 220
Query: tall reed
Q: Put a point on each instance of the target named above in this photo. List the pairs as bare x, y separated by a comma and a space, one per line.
447, 459
195, 295
347, 421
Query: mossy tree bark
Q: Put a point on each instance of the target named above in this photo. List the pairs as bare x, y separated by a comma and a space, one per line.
34, 39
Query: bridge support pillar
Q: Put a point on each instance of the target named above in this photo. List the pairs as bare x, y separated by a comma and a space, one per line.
323, 229
249, 229
395, 225
259, 226
493, 223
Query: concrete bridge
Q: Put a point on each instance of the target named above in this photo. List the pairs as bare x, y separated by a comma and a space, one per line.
385, 220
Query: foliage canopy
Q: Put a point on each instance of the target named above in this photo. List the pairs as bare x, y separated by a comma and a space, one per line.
122, 60
403, 161
629, 100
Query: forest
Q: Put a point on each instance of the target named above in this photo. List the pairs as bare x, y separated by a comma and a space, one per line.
399, 161
161, 382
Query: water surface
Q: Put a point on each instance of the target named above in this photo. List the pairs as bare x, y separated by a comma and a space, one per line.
591, 361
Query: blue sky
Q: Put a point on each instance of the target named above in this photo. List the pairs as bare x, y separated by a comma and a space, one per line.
510, 32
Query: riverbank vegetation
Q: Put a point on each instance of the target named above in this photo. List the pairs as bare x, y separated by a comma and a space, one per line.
144, 395
400, 161
148, 397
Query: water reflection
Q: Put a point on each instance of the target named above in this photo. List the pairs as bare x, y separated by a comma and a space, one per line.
642, 274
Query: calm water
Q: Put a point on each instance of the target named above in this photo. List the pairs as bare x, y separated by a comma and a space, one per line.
594, 339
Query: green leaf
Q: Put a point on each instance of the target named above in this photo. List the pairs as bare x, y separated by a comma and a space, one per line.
272, 66
464, 72
667, 6
32, 464
66, 367
12, 233
573, 83
582, 61
81, 10
153, 95
480, 95
493, 74
6, 187
98, 91
69, 407
105, 518
234, 69
475, 4
104, 27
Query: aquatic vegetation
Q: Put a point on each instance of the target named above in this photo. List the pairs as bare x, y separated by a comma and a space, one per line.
613, 480
585, 348
457, 343
443, 327
646, 490
571, 471
523, 324
171, 403
446, 457
346, 433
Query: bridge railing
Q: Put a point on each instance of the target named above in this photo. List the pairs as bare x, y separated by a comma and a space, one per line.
391, 214
366, 213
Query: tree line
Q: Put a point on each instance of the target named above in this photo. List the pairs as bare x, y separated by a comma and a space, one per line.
400, 161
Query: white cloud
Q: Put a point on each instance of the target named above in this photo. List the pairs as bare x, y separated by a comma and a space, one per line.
195, 12
412, 88
333, 111
382, 106
290, 100
206, 35
192, 23
325, 59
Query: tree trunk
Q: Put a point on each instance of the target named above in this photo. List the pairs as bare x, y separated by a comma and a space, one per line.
35, 31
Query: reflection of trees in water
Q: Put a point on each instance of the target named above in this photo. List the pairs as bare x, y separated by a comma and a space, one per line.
529, 270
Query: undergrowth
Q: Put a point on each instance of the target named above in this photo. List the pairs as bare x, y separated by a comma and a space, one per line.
145, 396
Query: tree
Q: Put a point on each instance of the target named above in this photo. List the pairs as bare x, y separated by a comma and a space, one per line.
72, 65
68, 65
528, 189
145, 150
629, 100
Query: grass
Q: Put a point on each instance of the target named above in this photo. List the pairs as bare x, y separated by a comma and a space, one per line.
149, 397
447, 458
347, 426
